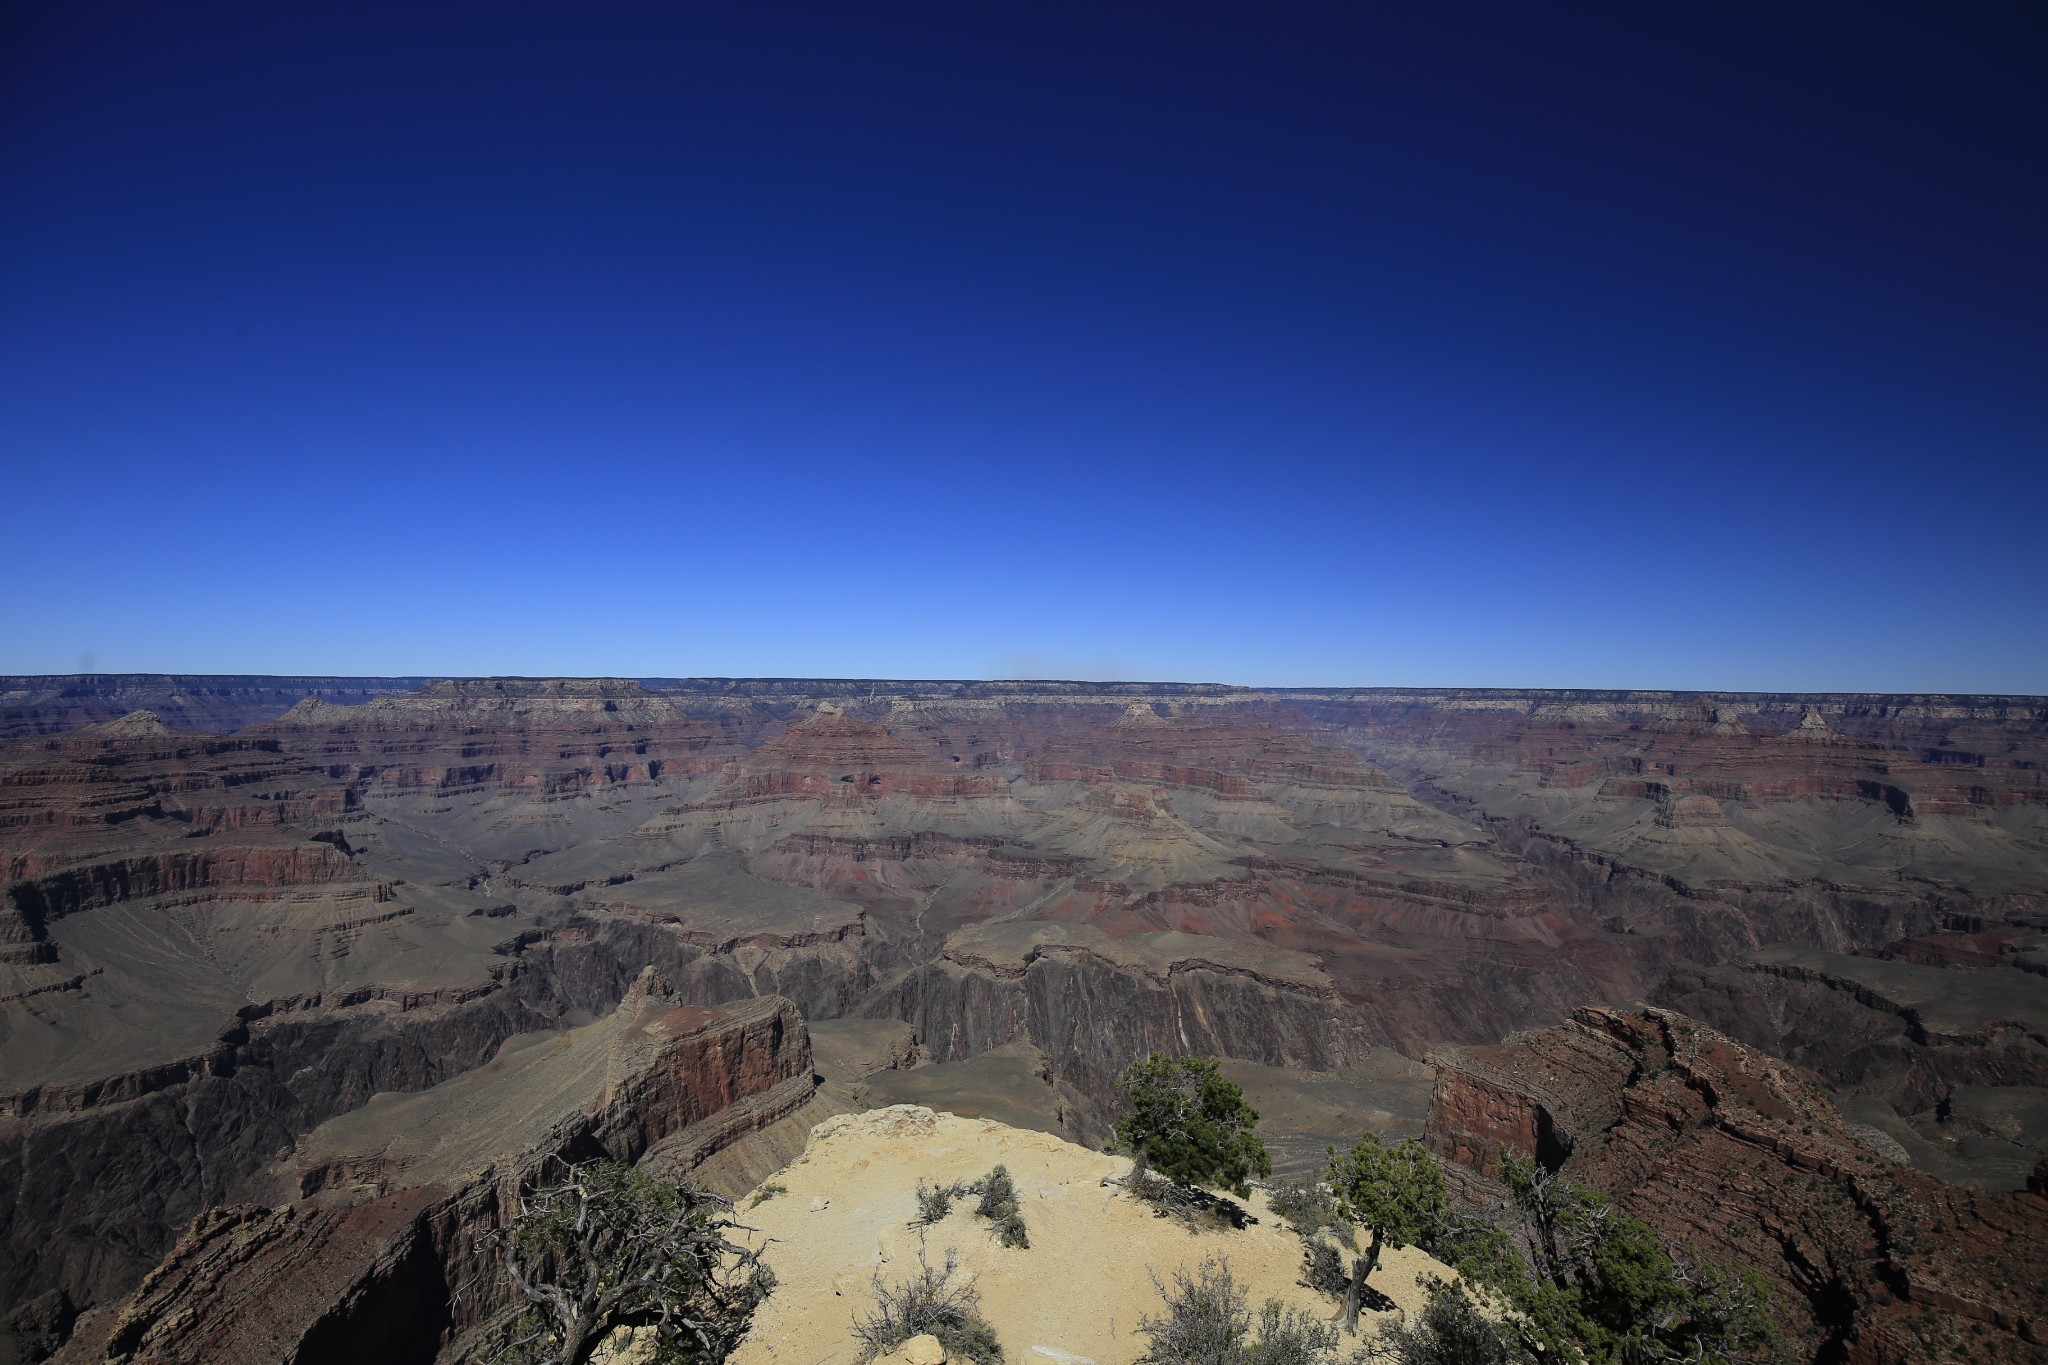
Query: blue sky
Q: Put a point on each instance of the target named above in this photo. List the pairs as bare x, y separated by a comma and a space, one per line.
1458, 345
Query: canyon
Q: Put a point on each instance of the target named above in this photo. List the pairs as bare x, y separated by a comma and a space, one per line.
248, 921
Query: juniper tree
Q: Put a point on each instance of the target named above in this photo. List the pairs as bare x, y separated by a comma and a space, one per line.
1605, 1286
1182, 1117
1398, 1191
602, 1246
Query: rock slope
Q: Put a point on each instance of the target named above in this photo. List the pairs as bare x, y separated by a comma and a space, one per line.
1746, 1160
382, 1253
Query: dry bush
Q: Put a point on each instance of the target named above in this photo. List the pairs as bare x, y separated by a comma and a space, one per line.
1199, 1209
934, 1202
1450, 1331
1308, 1209
600, 1246
929, 1302
1323, 1267
1209, 1321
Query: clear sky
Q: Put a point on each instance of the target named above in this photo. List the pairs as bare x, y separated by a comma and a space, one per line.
1648, 345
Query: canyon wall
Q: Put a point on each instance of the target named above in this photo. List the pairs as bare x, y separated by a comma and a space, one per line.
214, 943
1743, 1159
387, 1252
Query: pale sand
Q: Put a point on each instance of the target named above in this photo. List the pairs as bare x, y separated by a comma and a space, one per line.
1078, 1291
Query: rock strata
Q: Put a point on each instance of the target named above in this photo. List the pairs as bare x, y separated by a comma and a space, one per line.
213, 943
383, 1255
1746, 1160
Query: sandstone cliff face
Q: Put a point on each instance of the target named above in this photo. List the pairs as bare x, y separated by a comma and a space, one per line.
386, 1259
1849, 790
545, 739
1745, 1159
132, 808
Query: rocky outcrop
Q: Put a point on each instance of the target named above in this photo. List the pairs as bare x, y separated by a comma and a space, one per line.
1907, 1029
133, 809
99, 1176
546, 738
1095, 1265
386, 1257
1746, 1160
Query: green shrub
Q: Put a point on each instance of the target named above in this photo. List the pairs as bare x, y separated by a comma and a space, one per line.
1323, 1267
1451, 1331
1287, 1336
1010, 1231
1200, 1210
1308, 1209
1603, 1284
1182, 1117
999, 1206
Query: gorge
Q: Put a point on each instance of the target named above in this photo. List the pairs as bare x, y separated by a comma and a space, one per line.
247, 922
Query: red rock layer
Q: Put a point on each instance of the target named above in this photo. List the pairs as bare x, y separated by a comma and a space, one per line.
1229, 759
550, 738
841, 758
133, 808
1969, 763
1745, 1159
406, 1270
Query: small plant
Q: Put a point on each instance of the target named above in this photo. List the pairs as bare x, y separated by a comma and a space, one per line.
934, 1202
1206, 1319
1199, 1209
999, 1205
1308, 1209
766, 1193
1010, 1231
929, 1302
1288, 1336
1450, 1331
1323, 1267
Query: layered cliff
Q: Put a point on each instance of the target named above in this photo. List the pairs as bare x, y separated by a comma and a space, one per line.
226, 940
40, 705
384, 1251
1746, 1160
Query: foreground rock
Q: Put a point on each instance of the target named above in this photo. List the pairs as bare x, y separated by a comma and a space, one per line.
1746, 1160
382, 1256
1077, 1292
